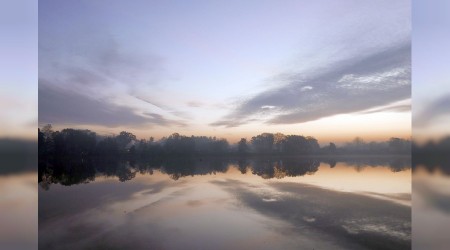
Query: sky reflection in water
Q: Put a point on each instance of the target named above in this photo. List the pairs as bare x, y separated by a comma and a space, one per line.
342, 206
18, 206
18, 194
431, 201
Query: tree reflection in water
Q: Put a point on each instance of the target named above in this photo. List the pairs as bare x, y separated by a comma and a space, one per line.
75, 171
431, 182
171, 211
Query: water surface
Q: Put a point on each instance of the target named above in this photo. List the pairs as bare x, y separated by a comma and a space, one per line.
292, 203
431, 199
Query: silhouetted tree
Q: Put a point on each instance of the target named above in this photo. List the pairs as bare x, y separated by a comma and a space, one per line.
75, 143
179, 144
49, 144
278, 142
108, 147
313, 145
132, 152
220, 146
397, 145
42, 152
242, 146
124, 139
432, 155
296, 144
332, 147
63, 153
263, 143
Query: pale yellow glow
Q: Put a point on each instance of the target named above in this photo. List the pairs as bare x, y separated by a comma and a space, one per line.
348, 179
18, 118
379, 181
435, 131
340, 128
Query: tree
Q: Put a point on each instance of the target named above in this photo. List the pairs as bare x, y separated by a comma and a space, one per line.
41, 143
124, 138
179, 144
132, 151
263, 143
78, 143
313, 145
47, 130
398, 145
357, 145
48, 143
332, 147
279, 139
295, 144
242, 146
358, 142
219, 146
108, 147
42, 151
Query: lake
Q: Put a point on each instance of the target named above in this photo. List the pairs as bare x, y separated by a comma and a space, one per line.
18, 210
219, 203
431, 213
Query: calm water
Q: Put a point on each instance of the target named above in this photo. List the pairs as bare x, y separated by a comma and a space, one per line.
18, 195
431, 213
228, 204
18, 211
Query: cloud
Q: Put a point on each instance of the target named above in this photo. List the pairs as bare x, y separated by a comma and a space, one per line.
437, 109
99, 62
195, 104
153, 103
359, 83
163, 107
306, 88
99, 67
311, 209
394, 108
160, 120
61, 106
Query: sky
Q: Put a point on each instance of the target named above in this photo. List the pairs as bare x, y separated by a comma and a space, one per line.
330, 69
18, 68
430, 65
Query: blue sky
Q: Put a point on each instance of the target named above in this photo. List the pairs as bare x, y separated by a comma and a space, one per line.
331, 69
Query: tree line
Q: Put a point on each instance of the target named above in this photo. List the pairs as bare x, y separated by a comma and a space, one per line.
82, 144
432, 155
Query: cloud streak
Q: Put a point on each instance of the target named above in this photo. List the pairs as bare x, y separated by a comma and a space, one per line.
99, 63
396, 107
82, 80
437, 109
352, 85
61, 106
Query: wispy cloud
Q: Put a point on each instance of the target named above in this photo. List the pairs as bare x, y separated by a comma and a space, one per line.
195, 104
162, 121
359, 83
103, 79
438, 108
163, 107
103, 64
398, 107
58, 105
